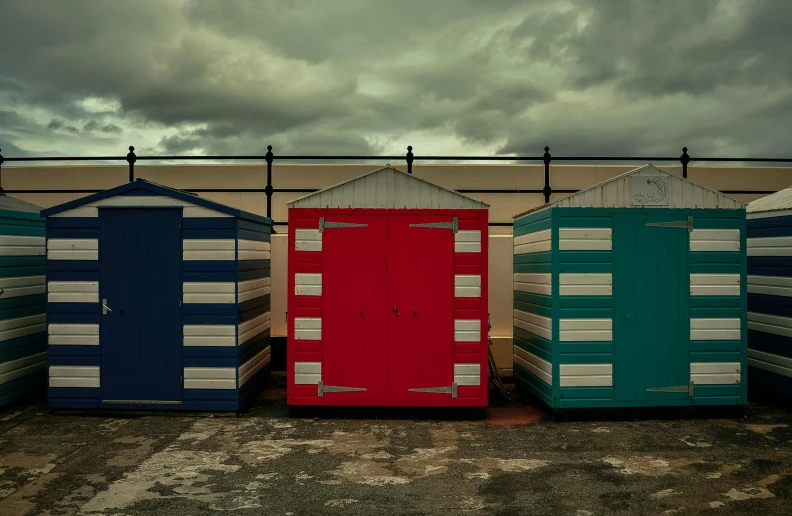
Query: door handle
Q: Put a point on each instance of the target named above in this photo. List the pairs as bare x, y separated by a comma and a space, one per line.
105, 308
395, 309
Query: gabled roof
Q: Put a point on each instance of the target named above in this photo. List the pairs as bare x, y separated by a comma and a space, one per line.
781, 200
11, 204
142, 184
387, 187
659, 189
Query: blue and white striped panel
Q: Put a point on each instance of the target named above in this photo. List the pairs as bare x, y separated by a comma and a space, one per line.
72, 249
771, 362
770, 246
771, 286
214, 292
73, 292
12, 245
249, 369
251, 289
73, 335
225, 335
189, 210
209, 250
74, 376
253, 250
210, 378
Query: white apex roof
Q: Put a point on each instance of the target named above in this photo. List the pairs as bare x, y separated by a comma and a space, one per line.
645, 187
781, 200
387, 187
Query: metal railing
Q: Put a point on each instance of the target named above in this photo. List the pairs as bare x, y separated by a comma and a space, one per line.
409, 158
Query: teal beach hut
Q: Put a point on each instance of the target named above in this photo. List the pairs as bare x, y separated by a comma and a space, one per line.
23, 300
632, 293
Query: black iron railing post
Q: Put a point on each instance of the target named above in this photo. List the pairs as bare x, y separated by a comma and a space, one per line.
131, 159
409, 159
269, 189
547, 190
684, 159
1, 170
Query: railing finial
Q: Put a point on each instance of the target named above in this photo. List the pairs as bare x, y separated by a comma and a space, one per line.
684, 159
269, 189
547, 158
131, 159
410, 159
1, 171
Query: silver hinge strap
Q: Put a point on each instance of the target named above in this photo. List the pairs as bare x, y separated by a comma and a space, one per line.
322, 388
452, 390
453, 225
328, 224
677, 388
680, 224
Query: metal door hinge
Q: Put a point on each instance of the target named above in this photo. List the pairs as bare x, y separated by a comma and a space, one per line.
677, 388
677, 224
180, 303
181, 379
452, 390
322, 388
453, 225
329, 224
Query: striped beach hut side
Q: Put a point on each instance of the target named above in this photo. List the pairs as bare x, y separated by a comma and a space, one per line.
23, 337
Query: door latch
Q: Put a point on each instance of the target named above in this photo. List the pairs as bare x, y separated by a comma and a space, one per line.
105, 308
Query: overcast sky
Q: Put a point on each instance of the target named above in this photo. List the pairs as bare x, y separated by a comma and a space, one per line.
642, 77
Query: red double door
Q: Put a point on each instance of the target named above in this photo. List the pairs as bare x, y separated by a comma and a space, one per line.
388, 290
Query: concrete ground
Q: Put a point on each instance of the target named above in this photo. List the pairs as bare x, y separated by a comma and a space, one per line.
516, 461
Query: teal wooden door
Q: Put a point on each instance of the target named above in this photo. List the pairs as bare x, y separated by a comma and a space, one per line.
651, 285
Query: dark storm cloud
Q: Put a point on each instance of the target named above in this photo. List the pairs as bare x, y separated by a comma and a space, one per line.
310, 76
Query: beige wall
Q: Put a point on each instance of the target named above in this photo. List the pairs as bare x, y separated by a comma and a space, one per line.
470, 177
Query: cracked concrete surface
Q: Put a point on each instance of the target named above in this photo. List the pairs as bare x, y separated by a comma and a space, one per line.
263, 462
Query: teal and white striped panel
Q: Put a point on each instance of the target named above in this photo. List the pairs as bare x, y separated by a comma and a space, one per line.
585, 284
585, 239
716, 373
535, 283
715, 328
585, 375
14, 245
535, 365
715, 240
714, 284
536, 242
22, 286
533, 323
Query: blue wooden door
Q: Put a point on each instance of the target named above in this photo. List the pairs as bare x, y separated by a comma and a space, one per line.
651, 320
141, 329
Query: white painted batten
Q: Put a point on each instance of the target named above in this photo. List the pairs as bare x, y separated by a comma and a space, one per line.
467, 241
770, 285
537, 283
467, 374
583, 330
253, 327
22, 326
251, 289
308, 284
586, 381
73, 291
209, 292
141, 201
74, 376
770, 358
585, 284
209, 373
253, 250
715, 329
307, 373
208, 249
714, 284
536, 242
11, 245
714, 239
253, 366
308, 328
467, 285
781, 241
715, 368
774, 324
221, 335
22, 286
73, 249
19, 363
716, 379
769, 251
307, 240
467, 330
536, 324
585, 239
73, 334
585, 369
540, 368
204, 383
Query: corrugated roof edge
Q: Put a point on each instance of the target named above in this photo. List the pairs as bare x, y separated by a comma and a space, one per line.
386, 167
550, 204
162, 190
784, 203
